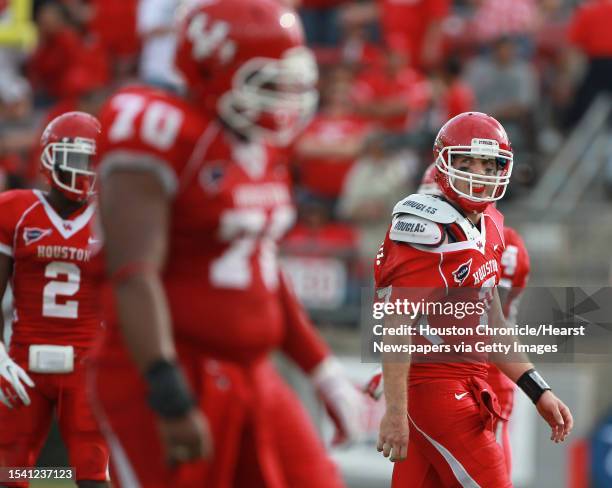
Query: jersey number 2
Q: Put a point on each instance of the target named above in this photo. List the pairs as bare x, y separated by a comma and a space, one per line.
65, 288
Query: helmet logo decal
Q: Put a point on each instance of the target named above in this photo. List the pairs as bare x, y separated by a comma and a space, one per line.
485, 147
206, 37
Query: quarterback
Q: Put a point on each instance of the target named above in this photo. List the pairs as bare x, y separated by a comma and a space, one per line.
193, 201
46, 247
438, 424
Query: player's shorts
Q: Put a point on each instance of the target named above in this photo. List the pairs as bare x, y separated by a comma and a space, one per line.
23, 430
262, 437
452, 443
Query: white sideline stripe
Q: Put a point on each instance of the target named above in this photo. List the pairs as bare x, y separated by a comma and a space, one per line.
463, 477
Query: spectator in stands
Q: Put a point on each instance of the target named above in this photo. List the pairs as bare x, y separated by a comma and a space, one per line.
58, 48
320, 18
156, 27
357, 48
417, 23
506, 87
327, 149
379, 179
114, 23
451, 95
393, 94
590, 32
516, 19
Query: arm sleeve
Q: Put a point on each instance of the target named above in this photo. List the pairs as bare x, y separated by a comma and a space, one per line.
7, 222
144, 134
302, 343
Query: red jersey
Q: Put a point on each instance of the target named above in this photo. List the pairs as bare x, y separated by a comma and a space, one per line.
409, 20
471, 263
230, 205
515, 269
589, 29
408, 86
54, 284
326, 175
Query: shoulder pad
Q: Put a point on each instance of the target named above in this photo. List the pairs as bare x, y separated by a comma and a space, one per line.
416, 230
427, 207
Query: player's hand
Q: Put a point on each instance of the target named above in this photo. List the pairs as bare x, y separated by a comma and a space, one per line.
12, 379
186, 438
393, 435
556, 414
344, 403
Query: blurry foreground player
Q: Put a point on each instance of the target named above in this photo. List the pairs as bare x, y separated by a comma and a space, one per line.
193, 202
443, 243
45, 251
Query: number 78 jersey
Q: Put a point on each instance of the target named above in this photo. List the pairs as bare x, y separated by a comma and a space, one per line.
53, 280
230, 202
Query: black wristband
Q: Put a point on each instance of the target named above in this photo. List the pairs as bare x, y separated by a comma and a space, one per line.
532, 383
169, 393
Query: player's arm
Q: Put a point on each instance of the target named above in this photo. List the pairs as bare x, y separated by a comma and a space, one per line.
13, 378
134, 210
411, 225
135, 216
394, 430
522, 371
304, 345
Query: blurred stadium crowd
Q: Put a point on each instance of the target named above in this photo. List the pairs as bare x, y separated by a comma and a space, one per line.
391, 72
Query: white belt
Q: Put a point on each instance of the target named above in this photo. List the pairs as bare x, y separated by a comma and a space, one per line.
44, 358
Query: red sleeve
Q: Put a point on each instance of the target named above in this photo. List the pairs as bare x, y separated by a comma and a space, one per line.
148, 130
523, 266
302, 342
10, 204
515, 260
401, 265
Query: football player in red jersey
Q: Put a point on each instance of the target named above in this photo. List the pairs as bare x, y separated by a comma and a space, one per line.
45, 251
448, 243
515, 268
193, 202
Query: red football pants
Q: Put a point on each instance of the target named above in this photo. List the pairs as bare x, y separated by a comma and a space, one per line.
251, 413
451, 442
23, 430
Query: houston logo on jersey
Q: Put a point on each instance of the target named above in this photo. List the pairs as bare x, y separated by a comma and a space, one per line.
33, 234
462, 272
